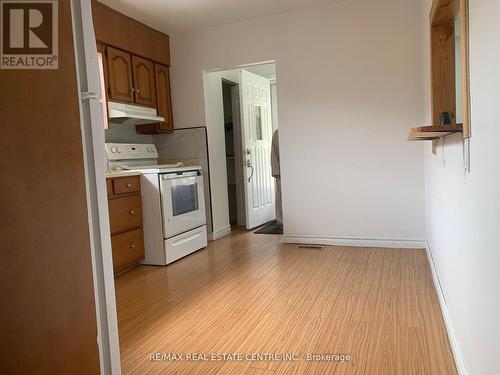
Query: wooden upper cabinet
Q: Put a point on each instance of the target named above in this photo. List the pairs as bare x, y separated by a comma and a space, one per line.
163, 96
120, 75
137, 71
144, 81
116, 29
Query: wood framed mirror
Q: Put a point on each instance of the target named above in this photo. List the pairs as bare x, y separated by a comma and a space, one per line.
449, 20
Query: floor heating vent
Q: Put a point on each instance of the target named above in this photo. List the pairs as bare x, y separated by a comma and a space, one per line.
309, 246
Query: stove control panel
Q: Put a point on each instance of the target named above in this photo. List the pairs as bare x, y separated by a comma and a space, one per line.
130, 151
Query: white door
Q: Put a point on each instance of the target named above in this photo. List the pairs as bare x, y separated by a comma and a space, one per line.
256, 141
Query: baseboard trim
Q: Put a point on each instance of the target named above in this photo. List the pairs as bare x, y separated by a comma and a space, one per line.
446, 315
220, 233
357, 241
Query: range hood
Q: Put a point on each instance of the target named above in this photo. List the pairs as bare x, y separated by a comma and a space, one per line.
129, 114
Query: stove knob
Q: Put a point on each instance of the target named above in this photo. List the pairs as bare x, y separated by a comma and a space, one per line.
118, 150
113, 149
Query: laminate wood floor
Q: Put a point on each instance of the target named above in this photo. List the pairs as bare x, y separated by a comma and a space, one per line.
249, 293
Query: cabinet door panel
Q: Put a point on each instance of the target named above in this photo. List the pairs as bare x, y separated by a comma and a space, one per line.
164, 98
144, 81
120, 75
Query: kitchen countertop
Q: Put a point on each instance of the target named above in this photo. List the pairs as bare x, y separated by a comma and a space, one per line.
122, 174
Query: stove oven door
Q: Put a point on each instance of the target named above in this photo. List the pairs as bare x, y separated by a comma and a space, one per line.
183, 202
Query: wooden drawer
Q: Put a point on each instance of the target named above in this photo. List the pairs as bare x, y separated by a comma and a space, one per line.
123, 185
109, 187
128, 248
125, 213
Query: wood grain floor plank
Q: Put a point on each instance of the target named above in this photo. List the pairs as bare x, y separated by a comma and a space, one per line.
335, 332
389, 275
325, 302
409, 287
357, 346
382, 357
437, 347
411, 353
366, 305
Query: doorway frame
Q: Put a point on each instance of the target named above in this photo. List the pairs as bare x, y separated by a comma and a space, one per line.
215, 131
237, 149
92, 129
240, 193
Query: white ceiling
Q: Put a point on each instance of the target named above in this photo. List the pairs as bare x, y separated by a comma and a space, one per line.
171, 16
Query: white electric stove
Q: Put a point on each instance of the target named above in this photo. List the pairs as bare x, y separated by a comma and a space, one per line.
173, 202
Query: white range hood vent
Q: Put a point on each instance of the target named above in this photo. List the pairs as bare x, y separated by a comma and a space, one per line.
129, 114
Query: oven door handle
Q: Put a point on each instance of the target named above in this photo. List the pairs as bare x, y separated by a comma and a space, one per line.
179, 175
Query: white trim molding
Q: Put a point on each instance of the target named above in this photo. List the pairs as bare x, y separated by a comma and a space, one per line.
219, 233
357, 241
446, 315
91, 126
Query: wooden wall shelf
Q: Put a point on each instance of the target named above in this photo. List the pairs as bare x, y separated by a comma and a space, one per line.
428, 133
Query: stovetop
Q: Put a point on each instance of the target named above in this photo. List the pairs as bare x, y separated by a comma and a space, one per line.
139, 157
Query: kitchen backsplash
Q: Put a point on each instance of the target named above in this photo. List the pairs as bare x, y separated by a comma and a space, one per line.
182, 143
118, 133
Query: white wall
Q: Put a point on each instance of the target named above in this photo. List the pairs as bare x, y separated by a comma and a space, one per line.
463, 210
350, 85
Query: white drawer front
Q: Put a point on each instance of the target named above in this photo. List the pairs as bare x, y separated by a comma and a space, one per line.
185, 243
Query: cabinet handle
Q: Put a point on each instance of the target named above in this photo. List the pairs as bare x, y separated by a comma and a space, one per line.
132, 89
138, 91
132, 246
129, 185
132, 212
